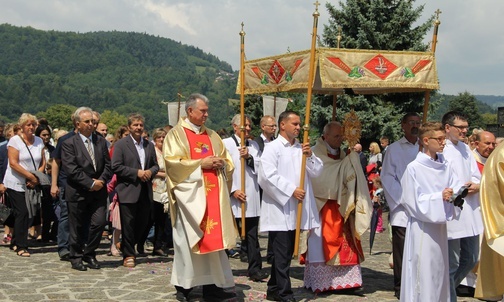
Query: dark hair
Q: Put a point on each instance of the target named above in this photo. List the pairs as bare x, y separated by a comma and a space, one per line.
42, 127
449, 117
408, 115
285, 115
120, 132
135, 117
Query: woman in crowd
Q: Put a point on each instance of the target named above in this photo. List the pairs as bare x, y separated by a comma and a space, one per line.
25, 153
158, 210
10, 131
375, 156
121, 132
49, 220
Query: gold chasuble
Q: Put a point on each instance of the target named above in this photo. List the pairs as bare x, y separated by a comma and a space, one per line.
211, 225
491, 266
199, 199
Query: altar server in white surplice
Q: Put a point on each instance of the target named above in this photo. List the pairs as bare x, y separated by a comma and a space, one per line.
428, 183
250, 196
279, 177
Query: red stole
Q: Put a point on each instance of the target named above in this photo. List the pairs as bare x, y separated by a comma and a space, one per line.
480, 166
211, 225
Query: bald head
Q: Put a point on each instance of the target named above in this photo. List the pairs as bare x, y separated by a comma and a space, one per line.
357, 148
485, 143
333, 134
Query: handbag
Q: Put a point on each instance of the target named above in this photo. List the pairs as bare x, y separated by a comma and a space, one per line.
5, 211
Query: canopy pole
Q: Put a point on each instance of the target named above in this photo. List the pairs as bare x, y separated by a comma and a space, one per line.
242, 124
334, 102
306, 126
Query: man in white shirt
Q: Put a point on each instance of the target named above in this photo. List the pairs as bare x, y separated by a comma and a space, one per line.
398, 156
250, 196
463, 233
279, 177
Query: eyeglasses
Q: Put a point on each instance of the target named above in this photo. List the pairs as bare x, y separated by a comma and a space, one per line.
272, 126
460, 127
440, 140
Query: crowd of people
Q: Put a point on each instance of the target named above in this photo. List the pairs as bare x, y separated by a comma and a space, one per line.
197, 190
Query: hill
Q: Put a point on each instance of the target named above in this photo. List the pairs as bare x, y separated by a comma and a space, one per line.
123, 72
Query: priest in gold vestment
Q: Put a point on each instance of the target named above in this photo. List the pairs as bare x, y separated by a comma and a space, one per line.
489, 285
199, 171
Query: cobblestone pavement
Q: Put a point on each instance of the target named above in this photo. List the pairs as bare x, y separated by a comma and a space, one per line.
43, 277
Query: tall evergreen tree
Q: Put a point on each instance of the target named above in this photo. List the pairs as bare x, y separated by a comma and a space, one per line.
466, 103
380, 25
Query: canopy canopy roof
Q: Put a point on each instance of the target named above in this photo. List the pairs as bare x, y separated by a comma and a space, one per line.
363, 71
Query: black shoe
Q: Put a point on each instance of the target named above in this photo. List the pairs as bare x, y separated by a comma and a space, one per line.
182, 293
357, 291
91, 262
79, 266
273, 296
244, 258
212, 293
258, 276
159, 252
269, 259
465, 291
65, 257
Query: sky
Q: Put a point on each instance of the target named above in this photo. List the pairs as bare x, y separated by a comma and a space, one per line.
469, 50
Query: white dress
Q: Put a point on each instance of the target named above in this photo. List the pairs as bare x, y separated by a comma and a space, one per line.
425, 267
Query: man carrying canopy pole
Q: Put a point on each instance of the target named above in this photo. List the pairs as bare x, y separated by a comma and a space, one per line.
279, 172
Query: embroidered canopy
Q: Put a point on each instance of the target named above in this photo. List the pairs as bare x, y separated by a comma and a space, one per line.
363, 71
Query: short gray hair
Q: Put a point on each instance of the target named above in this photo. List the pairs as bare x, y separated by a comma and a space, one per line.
78, 111
193, 98
330, 125
237, 119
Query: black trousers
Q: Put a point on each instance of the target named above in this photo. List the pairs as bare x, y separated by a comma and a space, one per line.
86, 216
283, 249
21, 220
398, 234
157, 218
251, 242
134, 220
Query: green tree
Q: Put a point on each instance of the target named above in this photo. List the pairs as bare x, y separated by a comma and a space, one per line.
113, 120
466, 103
381, 25
59, 116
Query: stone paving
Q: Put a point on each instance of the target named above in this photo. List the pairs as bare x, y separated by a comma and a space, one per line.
43, 277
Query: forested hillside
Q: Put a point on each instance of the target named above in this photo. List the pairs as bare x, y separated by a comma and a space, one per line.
119, 71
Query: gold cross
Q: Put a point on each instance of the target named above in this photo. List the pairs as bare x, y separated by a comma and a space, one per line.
208, 186
437, 12
316, 5
208, 225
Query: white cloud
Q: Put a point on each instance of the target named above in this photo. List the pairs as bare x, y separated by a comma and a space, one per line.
469, 50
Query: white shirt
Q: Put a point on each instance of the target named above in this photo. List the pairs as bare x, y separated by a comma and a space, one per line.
398, 156
14, 180
470, 222
253, 204
140, 149
279, 176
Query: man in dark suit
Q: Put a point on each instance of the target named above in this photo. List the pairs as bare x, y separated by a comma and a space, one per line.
134, 163
363, 160
86, 162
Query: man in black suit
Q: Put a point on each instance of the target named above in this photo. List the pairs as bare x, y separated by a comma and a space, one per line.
363, 160
86, 162
134, 163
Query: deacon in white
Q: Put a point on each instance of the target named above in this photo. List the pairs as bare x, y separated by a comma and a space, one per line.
463, 233
428, 183
250, 197
279, 177
397, 157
